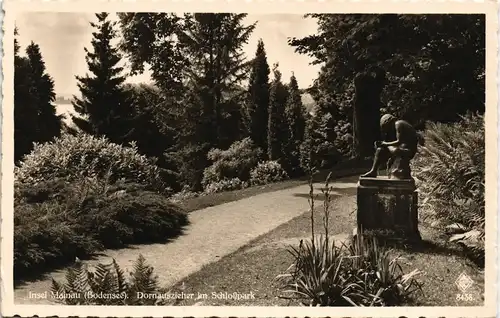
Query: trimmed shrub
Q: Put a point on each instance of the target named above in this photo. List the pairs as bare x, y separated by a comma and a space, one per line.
235, 162
225, 185
267, 172
450, 171
57, 220
75, 157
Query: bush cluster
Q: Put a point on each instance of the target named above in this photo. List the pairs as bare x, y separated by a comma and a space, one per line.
75, 157
450, 170
267, 172
225, 185
58, 220
238, 167
235, 162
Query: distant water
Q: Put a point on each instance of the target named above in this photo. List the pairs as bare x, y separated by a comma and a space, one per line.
65, 109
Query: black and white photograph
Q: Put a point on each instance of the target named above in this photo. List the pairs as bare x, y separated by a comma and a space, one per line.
226, 159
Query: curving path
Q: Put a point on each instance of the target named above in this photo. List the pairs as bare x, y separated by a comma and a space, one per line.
214, 232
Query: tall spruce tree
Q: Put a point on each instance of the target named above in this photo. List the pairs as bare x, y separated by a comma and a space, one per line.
217, 66
104, 105
295, 116
43, 95
25, 112
257, 105
213, 44
35, 118
277, 131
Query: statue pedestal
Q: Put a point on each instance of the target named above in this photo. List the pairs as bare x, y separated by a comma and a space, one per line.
388, 204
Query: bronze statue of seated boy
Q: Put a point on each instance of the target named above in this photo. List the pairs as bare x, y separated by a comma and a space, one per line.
397, 149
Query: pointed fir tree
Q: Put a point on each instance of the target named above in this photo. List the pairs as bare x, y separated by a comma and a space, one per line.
296, 122
217, 66
256, 110
277, 131
35, 118
42, 91
104, 106
25, 112
211, 116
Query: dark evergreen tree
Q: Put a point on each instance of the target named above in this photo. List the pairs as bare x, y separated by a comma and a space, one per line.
43, 95
104, 105
25, 112
295, 116
277, 131
213, 44
217, 66
35, 118
257, 105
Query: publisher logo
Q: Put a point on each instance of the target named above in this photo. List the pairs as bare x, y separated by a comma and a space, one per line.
464, 282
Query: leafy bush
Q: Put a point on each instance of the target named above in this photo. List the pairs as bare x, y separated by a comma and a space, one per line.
361, 274
225, 185
57, 220
267, 172
185, 194
235, 162
450, 170
76, 157
109, 280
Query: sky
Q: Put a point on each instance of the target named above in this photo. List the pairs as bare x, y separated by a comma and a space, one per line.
62, 37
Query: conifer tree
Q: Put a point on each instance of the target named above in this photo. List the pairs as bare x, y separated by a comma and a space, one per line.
213, 44
42, 91
256, 111
35, 118
25, 112
277, 131
104, 105
295, 116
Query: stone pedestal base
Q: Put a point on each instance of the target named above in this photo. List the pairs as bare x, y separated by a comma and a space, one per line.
388, 204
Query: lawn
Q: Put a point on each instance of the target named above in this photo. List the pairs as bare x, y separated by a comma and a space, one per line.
347, 168
254, 267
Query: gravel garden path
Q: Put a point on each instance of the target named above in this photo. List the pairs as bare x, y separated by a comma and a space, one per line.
213, 233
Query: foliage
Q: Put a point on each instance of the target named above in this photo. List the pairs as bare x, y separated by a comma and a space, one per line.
57, 220
107, 284
224, 185
450, 169
361, 274
319, 149
154, 123
75, 157
256, 110
267, 172
149, 42
213, 44
421, 55
296, 122
35, 118
104, 107
190, 162
198, 63
185, 194
277, 126
235, 162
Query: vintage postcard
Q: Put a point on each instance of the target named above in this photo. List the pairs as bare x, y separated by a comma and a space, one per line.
264, 158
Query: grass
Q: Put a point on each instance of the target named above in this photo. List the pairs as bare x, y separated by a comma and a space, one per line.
349, 167
253, 268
